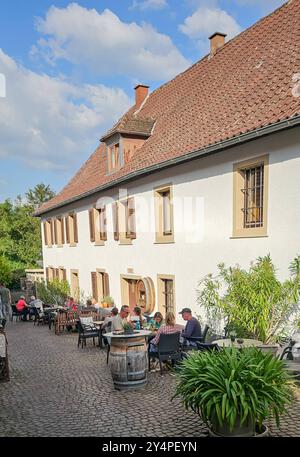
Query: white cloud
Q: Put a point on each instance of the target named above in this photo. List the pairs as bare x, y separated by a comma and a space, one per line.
205, 21
107, 45
50, 123
149, 4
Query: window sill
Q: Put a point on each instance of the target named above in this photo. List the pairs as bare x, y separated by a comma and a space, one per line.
99, 243
164, 242
233, 237
125, 242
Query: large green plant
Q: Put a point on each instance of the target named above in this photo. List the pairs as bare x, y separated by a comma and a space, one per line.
233, 386
254, 303
53, 292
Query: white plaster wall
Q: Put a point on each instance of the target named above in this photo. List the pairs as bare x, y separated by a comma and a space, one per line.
209, 181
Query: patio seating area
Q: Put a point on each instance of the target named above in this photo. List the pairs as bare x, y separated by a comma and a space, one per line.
45, 367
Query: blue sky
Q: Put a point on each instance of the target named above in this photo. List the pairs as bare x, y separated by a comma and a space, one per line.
70, 69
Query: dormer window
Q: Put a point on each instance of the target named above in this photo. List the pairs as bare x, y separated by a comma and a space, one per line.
114, 162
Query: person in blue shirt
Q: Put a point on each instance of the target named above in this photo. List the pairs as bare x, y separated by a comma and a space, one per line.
192, 328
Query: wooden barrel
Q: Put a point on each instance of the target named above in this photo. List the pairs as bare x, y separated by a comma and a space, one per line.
145, 287
128, 362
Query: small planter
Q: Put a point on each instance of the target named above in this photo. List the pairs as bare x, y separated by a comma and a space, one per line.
273, 348
258, 433
244, 430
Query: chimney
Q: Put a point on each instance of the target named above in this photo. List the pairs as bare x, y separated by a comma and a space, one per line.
217, 40
141, 93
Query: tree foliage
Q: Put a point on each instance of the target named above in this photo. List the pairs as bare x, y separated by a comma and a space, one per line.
53, 292
20, 233
38, 195
254, 303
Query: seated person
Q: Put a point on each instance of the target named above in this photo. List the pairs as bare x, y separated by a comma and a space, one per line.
114, 312
192, 328
138, 318
106, 327
168, 327
71, 304
23, 308
120, 319
156, 321
36, 307
89, 304
95, 304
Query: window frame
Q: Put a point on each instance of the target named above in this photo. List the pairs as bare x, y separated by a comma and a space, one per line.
161, 296
239, 230
159, 195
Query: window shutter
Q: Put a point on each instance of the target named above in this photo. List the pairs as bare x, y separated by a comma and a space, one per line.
56, 273
64, 274
105, 284
103, 224
67, 229
47, 274
115, 221
45, 233
131, 219
52, 231
75, 228
62, 231
94, 285
92, 225
55, 222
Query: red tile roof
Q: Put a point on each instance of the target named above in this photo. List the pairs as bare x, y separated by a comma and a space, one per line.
246, 85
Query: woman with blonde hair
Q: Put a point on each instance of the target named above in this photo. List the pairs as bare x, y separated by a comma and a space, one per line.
168, 327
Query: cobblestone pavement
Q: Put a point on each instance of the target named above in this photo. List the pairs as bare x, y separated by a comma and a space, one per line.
57, 389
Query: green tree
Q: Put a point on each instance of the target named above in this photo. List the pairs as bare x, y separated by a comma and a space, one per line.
39, 195
254, 303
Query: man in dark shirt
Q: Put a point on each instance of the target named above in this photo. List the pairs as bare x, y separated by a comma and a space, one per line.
192, 328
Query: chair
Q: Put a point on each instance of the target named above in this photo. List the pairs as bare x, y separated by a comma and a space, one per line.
15, 313
207, 346
288, 351
86, 329
195, 339
168, 349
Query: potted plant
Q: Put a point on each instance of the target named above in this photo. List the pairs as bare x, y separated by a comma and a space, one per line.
234, 390
254, 303
107, 302
128, 328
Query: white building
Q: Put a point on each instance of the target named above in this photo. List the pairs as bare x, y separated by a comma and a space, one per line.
203, 170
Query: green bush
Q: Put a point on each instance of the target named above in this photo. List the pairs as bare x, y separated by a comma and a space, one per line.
5, 271
254, 303
234, 385
53, 292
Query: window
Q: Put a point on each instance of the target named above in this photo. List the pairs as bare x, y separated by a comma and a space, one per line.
100, 284
126, 218
114, 162
98, 225
115, 214
59, 231
166, 293
75, 291
164, 214
250, 198
71, 229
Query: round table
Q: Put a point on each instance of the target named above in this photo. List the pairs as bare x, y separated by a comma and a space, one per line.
129, 359
226, 342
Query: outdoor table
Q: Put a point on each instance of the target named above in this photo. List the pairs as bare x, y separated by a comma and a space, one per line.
129, 359
226, 342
